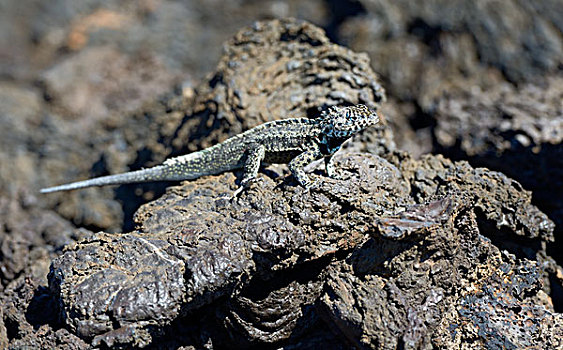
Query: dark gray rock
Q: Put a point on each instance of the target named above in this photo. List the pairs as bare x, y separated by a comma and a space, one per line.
518, 131
196, 246
406, 252
177, 33
429, 51
418, 45
29, 313
275, 70
208, 251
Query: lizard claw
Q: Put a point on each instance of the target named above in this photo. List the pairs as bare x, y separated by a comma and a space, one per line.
244, 185
236, 192
313, 185
335, 176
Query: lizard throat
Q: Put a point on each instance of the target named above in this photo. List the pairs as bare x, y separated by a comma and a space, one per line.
329, 145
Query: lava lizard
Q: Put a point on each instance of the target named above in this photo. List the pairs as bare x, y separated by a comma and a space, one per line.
296, 141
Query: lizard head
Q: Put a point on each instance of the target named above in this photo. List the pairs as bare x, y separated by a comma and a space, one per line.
343, 122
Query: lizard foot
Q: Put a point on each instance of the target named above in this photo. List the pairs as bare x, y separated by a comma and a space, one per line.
336, 176
313, 185
237, 192
244, 185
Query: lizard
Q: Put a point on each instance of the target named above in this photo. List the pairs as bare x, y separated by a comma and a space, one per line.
294, 141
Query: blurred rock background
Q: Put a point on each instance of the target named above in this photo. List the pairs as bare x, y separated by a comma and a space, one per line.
480, 81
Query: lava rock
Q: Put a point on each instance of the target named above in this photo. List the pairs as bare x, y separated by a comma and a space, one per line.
206, 250
518, 131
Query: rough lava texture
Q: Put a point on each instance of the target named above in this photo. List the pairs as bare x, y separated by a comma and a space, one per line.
281, 260
473, 80
30, 237
276, 70
424, 44
406, 251
517, 131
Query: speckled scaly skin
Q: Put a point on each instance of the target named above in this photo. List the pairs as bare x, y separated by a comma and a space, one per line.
297, 142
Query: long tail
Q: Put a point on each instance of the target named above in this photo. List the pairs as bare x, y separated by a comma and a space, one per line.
214, 160
157, 173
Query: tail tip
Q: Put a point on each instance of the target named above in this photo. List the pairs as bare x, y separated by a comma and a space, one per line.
46, 190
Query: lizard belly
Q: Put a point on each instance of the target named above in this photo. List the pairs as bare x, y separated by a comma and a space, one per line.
281, 157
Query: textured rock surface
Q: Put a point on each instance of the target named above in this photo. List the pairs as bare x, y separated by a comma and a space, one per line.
440, 41
447, 255
479, 81
30, 237
276, 70
195, 247
296, 70
518, 132
178, 32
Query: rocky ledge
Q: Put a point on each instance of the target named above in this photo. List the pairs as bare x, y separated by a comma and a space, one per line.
398, 253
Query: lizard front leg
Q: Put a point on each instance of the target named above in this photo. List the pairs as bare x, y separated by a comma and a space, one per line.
297, 164
251, 166
329, 167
